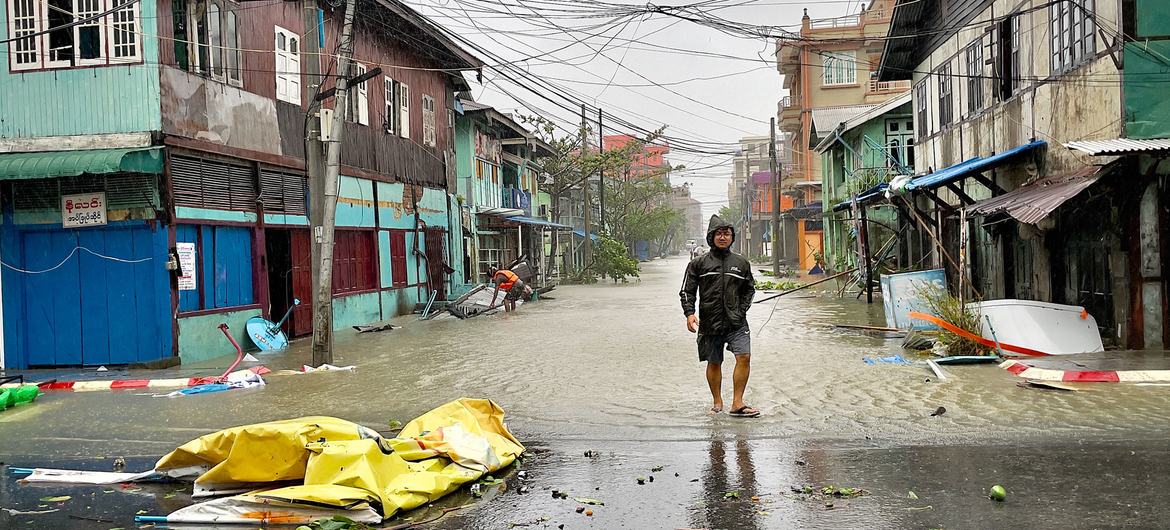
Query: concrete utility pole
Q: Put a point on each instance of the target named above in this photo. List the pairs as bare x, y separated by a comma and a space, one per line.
323, 233
314, 151
775, 202
585, 191
601, 172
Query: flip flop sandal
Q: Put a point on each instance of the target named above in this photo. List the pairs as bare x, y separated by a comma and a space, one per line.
744, 412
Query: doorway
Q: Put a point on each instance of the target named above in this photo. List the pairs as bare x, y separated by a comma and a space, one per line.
290, 276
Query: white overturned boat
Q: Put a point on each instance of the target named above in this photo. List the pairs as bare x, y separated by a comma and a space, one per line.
1051, 328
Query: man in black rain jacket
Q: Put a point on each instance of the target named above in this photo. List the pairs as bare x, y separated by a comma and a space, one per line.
725, 289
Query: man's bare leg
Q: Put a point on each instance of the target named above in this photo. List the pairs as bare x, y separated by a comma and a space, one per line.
715, 382
739, 379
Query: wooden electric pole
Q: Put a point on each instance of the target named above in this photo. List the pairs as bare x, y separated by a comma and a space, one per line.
585, 191
323, 233
775, 202
601, 171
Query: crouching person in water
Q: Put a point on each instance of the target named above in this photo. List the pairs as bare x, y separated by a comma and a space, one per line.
513, 287
725, 287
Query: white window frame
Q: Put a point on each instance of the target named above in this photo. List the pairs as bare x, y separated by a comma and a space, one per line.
428, 119
390, 101
839, 68
214, 41
29, 23
234, 72
127, 23
946, 95
288, 66
404, 110
1071, 27
358, 107
973, 58
33, 53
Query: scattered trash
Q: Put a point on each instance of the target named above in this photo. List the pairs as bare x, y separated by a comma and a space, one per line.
829, 491
61, 498
893, 359
374, 329
1047, 385
587, 500
580, 509
240, 379
11, 397
560, 495
912, 495
939, 411
592, 454
656, 469
641, 480
998, 493
306, 369
251, 358
30, 512
917, 341
589, 513
731, 495
395, 425
102, 369
967, 359
119, 463
801, 463
937, 371
919, 508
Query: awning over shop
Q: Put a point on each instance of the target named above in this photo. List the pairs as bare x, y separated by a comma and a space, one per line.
865, 197
536, 221
581, 233
49, 164
1034, 201
968, 168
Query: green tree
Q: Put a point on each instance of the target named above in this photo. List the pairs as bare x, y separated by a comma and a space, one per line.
613, 260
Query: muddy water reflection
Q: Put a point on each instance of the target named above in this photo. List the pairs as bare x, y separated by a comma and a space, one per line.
606, 362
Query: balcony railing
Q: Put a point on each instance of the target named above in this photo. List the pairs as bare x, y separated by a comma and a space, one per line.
785, 102
839, 22
889, 86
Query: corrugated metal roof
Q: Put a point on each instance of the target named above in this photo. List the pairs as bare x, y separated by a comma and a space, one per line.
825, 119
969, 167
864, 197
469, 105
1119, 146
1032, 202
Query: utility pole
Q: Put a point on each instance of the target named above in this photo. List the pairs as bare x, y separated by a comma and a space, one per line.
601, 171
585, 191
314, 151
323, 233
775, 201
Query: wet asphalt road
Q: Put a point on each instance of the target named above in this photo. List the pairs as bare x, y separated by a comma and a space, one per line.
610, 368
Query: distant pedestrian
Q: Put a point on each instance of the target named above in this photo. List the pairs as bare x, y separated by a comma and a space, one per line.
725, 287
513, 287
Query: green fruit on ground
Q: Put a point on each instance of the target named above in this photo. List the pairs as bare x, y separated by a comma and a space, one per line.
998, 493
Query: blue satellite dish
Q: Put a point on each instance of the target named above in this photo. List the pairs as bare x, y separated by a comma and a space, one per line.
266, 335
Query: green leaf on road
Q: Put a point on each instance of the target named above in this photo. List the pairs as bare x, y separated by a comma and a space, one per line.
61, 498
731, 495
587, 500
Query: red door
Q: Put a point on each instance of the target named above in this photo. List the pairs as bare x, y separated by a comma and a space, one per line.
302, 283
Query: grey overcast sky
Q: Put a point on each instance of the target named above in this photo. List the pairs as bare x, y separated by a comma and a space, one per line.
618, 62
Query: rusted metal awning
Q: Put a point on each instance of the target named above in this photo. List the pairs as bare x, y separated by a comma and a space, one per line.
1034, 201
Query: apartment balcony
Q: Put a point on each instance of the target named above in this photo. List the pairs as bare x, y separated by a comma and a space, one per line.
788, 112
880, 91
848, 21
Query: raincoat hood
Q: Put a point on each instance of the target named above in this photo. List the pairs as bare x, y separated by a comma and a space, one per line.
714, 224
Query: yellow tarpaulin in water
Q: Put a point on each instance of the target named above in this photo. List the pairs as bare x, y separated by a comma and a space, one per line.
348, 467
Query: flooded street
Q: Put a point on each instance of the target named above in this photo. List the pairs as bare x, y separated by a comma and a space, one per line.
611, 368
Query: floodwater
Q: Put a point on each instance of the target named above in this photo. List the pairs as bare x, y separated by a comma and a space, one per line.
611, 368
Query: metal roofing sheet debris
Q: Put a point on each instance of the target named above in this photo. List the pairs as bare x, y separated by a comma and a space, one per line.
969, 167
1119, 146
1034, 201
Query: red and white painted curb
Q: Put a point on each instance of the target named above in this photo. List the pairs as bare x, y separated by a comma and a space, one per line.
125, 384
1086, 376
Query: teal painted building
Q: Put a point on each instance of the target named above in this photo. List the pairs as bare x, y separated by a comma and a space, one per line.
867, 150
499, 177
152, 179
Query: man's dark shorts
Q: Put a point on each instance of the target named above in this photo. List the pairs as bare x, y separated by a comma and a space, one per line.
711, 344
516, 292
